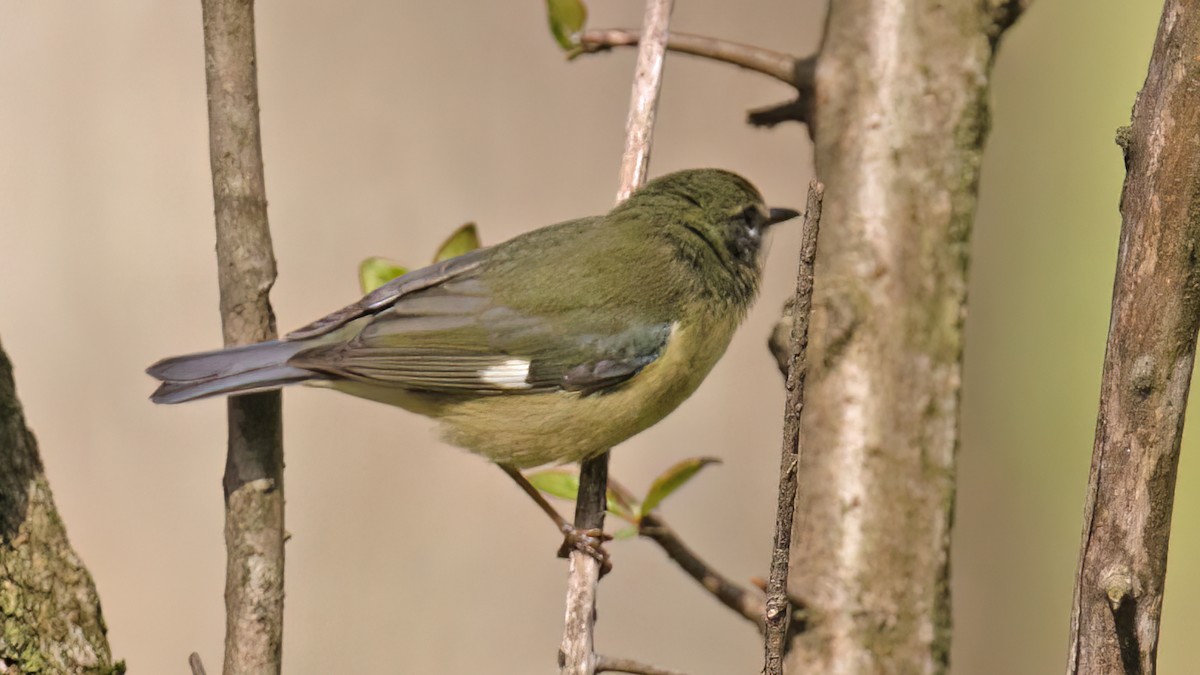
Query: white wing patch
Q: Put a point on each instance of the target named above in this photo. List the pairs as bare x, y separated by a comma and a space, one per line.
512, 374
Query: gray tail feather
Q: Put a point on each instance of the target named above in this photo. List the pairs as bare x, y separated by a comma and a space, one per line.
238, 370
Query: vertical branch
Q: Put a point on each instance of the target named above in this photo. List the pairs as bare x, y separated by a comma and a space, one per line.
577, 655
643, 104
1147, 366
778, 610
253, 480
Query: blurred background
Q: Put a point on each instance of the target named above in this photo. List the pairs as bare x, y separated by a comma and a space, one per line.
387, 124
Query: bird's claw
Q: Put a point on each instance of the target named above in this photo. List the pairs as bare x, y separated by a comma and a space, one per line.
588, 541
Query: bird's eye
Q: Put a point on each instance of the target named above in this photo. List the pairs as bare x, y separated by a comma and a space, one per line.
752, 216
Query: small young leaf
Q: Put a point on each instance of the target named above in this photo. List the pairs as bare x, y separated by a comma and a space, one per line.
567, 18
628, 532
464, 239
671, 480
564, 484
619, 508
375, 272
555, 482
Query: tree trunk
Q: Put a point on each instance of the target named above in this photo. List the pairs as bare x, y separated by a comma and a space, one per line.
900, 120
48, 603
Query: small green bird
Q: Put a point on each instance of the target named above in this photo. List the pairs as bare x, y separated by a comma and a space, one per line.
551, 347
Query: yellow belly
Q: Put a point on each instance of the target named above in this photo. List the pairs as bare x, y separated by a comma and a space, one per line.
528, 430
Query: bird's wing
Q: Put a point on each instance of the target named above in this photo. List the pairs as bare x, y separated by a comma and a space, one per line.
388, 294
454, 337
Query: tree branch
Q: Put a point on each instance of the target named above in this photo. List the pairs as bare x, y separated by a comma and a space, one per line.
749, 605
609, 664
253, 482
800, 73
1147, 366
771, 63
778, 606
577, 654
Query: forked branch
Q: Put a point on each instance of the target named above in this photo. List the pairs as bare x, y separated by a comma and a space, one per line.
798, 72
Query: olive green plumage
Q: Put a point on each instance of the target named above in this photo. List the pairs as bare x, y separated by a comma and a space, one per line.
550, 347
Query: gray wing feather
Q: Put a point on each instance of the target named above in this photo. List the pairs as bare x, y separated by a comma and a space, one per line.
386, 295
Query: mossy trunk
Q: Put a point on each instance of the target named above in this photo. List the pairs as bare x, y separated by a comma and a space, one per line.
48, 603
899, 123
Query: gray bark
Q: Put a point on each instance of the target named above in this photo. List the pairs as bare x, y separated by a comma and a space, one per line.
900, 120
254, 528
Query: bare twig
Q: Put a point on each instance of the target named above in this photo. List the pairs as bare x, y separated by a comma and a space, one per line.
196, 664
253, 480
778, 605
1147, 366
774, 64
799, 109
643, 104
577, 654
799, 611
750, 605
608, 664
797, 72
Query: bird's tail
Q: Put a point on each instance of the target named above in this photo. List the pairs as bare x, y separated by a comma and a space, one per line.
238, 370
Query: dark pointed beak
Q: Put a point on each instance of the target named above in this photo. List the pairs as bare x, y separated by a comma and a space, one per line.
780, 215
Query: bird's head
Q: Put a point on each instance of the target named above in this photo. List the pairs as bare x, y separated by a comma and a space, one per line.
717, 208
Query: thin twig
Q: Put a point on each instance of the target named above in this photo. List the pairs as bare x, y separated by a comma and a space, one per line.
1148, 365
778, 606
750, 605
643, 104
799, 109
774, 64
799, 607
609, 664
577, 655
196, 664
795, 71
253, 482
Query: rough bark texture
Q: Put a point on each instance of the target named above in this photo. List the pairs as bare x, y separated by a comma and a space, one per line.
253, 482
1147, 365
48, 604
900, 120
778, 606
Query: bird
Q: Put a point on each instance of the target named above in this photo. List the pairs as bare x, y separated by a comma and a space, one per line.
551, 347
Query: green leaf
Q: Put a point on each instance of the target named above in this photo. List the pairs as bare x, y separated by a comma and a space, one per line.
375, 272
567, 18
555, 482
619, 508
464, 239
671, 480
564, 484
628, 532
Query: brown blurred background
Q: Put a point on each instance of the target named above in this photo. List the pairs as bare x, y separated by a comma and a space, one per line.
386, 124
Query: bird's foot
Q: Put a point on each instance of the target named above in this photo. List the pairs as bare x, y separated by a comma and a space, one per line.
589, 541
